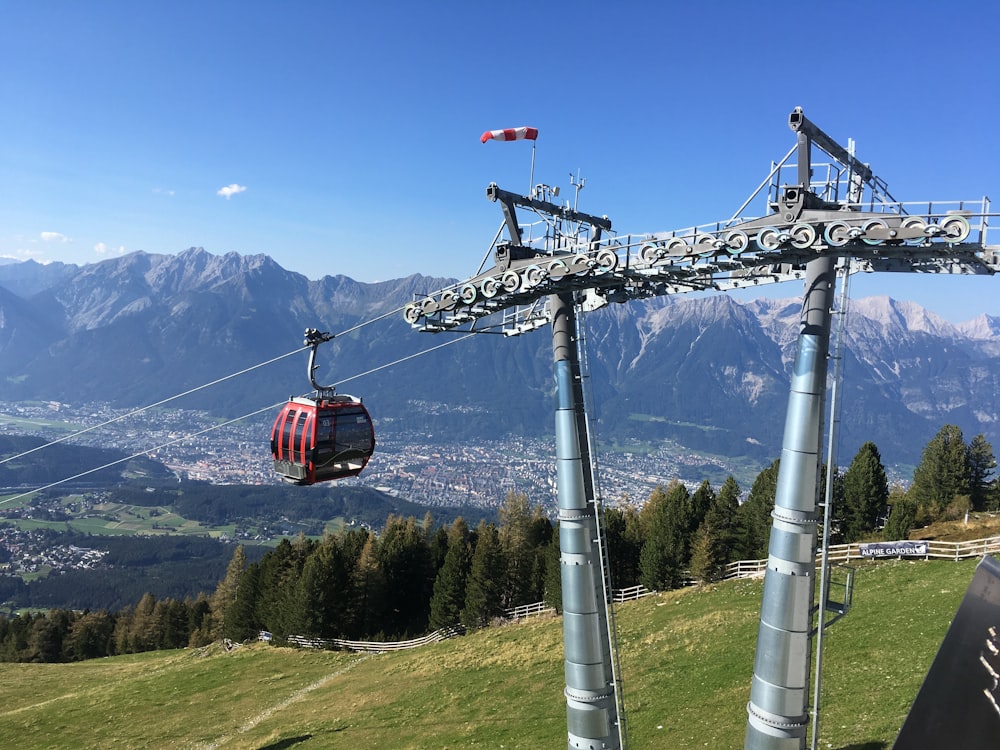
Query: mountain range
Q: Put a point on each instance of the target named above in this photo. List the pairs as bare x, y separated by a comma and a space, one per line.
711, 373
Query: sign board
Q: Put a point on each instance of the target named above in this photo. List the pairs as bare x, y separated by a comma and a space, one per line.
893, 549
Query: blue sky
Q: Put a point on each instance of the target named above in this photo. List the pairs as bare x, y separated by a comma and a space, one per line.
343, 138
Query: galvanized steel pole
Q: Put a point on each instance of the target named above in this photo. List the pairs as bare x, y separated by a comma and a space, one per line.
778, 711
591, 709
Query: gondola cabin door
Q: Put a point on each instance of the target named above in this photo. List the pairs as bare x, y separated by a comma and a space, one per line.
321, 439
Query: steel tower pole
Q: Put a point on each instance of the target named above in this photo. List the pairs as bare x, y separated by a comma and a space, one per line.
778, 709
591, 708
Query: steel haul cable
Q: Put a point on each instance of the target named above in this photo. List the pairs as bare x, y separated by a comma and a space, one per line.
213, 427
142, 409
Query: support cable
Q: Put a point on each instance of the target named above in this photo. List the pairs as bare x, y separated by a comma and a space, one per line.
140, 410
223, 424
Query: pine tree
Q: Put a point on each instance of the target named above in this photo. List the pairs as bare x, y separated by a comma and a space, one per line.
701, 501
225, 593
753, 528
551, 560
514, 516
624, 543
405, 560
172, 621
866, 494
902, 516
279, 573
242, 618
200, 622
143, 629
90, 637
46, 641
981, 462
369, 597
942, 475
483, 594
448, 597
323, 592
664, 554
524, 531
715, 541
703, 566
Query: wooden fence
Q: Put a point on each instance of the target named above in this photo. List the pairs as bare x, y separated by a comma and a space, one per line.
377, 647
838, 553
528, 610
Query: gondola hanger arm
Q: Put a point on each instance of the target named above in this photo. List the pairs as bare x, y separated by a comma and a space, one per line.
313, 338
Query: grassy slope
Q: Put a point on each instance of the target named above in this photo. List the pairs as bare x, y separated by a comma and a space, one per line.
687, 658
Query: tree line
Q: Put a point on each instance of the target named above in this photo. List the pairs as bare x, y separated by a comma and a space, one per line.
414, 577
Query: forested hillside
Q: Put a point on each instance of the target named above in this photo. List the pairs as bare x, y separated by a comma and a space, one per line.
414, 576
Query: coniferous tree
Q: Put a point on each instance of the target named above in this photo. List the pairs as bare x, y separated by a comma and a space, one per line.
981, 463
524, 532
15, 642
993, 496
553, 574
90, 637
942, 474
225, 593
369, 599
701, 501
902, 516
200, 622
439, 548
448, 596
514, 517
405, 560
704, 567
323, 591
753, 527
142, 634
624, 543
483, 589
664, 554
46, 640
866, 494
120, 637
172, 617
242, 617
715, 541
280, 569
540, 533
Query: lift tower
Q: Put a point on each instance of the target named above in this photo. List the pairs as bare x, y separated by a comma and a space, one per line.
577, 264
592, 703
778, 711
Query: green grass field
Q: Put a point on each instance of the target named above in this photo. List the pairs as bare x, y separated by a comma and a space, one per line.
687, 659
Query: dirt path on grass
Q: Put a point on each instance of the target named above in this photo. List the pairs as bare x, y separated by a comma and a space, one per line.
267, 713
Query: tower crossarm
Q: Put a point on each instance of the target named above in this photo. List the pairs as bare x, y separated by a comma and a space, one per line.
801, 221
927, 237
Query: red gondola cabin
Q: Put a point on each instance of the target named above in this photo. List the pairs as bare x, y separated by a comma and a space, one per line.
320, 439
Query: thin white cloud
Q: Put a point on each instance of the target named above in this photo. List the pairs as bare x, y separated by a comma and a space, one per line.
229, 191
164, 191
54, 237
102, 249
21, 254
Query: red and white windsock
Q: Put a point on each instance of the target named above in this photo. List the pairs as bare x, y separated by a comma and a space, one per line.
510, 134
